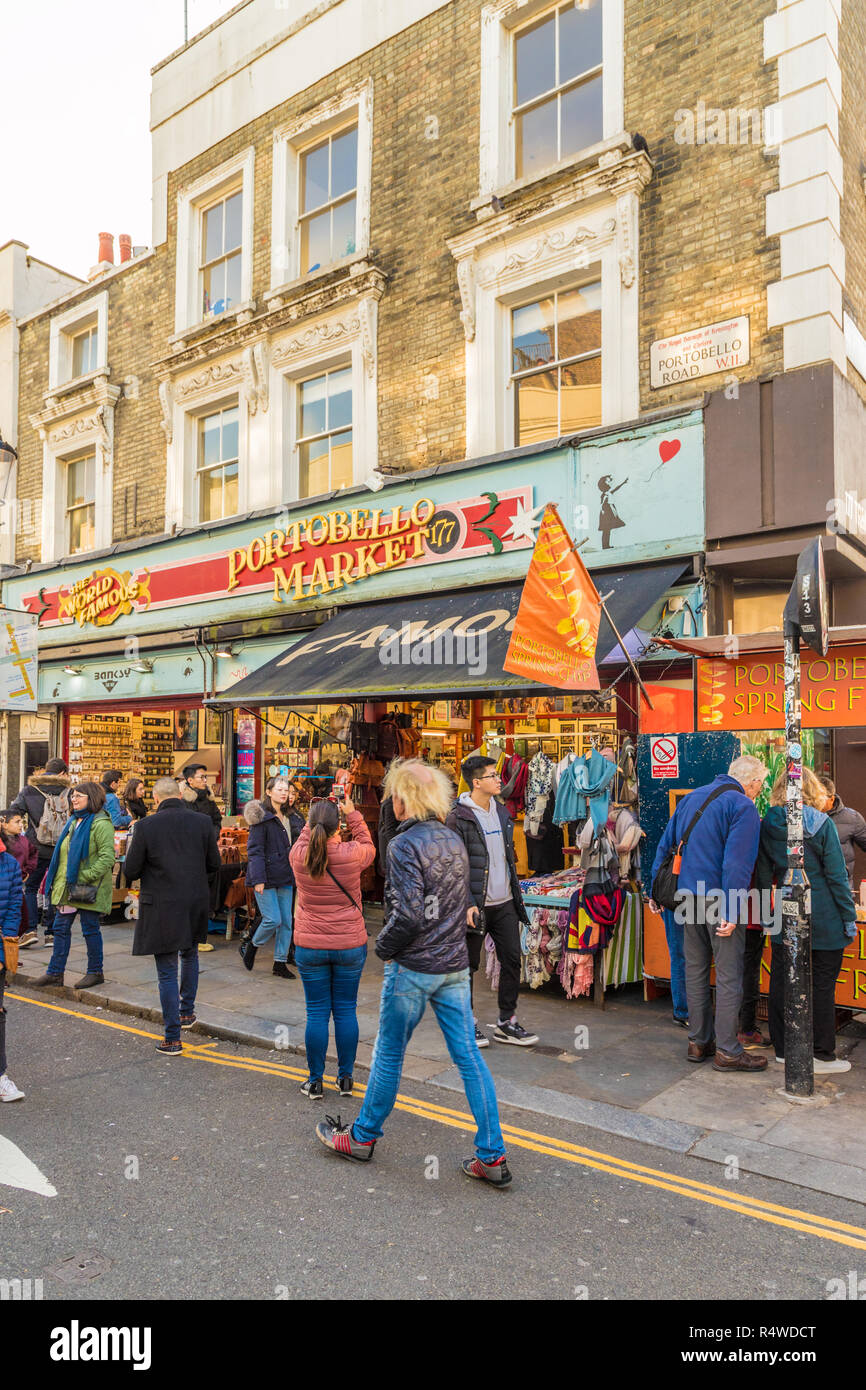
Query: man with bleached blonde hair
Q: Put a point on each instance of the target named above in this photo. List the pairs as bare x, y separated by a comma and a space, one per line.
423, 944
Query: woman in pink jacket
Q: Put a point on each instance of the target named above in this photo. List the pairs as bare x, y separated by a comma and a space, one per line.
330, 936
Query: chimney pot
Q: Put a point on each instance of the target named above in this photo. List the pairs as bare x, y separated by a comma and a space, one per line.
124, 241
106, 247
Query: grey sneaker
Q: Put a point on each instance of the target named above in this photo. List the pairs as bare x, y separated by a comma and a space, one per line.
339, 1137
511, 1032
481, 1038
497, 1174
313, 1090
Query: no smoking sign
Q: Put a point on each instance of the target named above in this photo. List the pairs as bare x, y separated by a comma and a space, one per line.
664, 757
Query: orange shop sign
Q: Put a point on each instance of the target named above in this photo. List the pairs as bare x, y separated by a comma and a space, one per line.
749, 692
104, 596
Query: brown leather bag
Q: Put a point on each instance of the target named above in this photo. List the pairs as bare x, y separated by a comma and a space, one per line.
10, 950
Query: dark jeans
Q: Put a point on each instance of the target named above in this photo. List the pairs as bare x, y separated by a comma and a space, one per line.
503, 924
751, 978
173, 1001
825, 972
331, 980
63, 940
2, 1021
31, 893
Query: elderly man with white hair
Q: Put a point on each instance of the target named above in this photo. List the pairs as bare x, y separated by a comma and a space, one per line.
716, 831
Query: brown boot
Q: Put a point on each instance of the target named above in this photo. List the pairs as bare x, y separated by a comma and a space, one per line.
745, 1061
698, 1052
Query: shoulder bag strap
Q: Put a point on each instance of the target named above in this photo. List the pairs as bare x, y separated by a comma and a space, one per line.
693, 822
345, 892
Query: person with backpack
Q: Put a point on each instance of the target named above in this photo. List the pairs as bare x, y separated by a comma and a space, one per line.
45, 803
78, 881
330, 935
274, 827
702, 872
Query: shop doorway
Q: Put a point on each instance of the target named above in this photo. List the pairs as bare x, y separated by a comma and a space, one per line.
34, 754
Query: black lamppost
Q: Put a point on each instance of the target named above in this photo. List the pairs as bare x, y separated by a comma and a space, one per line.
806, 618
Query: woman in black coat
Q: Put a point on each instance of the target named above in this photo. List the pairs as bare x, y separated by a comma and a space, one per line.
274, 828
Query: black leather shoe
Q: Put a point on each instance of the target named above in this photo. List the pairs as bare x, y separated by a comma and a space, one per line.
281, 969
247, 953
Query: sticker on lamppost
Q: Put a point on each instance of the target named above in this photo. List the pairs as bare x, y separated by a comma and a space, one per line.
665, 757
18, 660
714, 347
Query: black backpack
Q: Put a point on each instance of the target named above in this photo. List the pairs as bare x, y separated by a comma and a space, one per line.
666, 882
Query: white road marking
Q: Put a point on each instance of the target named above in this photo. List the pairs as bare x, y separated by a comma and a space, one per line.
17, 1170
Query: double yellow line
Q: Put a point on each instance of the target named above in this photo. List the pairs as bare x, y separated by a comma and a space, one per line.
561, 1149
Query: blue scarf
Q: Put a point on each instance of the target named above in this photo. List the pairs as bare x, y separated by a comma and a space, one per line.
78, 826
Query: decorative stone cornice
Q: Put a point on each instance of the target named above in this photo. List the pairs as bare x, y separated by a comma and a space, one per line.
617, 171
341, 291
190, 389
86, 410
316, 336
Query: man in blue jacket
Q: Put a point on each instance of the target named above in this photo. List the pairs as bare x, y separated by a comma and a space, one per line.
713, 884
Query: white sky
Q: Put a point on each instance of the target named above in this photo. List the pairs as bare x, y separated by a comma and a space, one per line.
74, 127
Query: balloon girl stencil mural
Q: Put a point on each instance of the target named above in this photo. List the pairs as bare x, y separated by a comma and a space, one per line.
648, 487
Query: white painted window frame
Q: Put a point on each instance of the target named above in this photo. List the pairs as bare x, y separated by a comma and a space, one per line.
498, 23
64, 328
572, 249
346, 337
191, 201
289, 142
54, 459
182, 456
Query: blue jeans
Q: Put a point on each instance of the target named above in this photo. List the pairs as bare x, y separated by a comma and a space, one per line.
275, 905
172, 1001
405, 995
330, 980
676, 950
31, 894
63, 940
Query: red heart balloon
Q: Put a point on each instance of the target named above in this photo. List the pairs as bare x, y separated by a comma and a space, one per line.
668, 448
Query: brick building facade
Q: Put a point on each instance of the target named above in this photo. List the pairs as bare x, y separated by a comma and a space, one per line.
446, 242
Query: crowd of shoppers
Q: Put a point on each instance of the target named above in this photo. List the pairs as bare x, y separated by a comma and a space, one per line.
450, 879
731, 865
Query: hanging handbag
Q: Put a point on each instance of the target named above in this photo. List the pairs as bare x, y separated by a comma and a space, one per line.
665, 884
82, 893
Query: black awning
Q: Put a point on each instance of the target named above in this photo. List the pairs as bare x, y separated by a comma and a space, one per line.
372, 652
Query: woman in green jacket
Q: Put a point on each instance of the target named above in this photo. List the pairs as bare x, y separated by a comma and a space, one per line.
834, 915
79, 881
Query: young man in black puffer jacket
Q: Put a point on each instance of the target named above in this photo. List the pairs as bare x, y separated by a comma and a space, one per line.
424, 945
487, 831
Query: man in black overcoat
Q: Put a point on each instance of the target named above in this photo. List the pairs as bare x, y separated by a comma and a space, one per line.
172, 853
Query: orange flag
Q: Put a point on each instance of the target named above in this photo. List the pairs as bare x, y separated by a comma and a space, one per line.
556, 629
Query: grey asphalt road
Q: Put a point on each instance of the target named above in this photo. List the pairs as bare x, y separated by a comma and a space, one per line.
188, 1179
